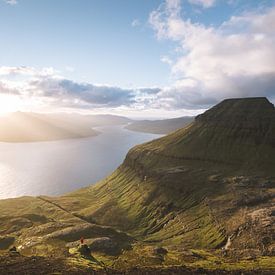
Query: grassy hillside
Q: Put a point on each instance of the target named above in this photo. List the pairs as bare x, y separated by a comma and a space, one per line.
201, 197
238, 133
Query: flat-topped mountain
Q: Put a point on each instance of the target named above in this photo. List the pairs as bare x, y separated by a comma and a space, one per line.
253, 110
201, 197
238, 132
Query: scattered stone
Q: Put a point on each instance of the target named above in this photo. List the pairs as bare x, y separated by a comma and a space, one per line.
160, 250
13, 251
84, 250
214, 178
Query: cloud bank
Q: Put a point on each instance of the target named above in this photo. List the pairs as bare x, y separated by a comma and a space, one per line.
11, 2
47, 87
203, 3
234, 59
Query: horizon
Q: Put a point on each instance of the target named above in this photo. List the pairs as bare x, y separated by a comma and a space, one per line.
72, 112
139, 59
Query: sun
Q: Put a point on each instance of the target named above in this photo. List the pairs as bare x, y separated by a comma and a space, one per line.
9, 104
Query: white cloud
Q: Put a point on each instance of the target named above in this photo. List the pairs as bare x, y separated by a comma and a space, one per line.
5, 70
27, 71
203, 3
166, 59
235, 59
231, 60
135, 23
47, 87
11, 2
5, 88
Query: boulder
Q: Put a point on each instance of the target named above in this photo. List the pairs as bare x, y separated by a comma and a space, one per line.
84, 250
6, 242
104, 244
160, 251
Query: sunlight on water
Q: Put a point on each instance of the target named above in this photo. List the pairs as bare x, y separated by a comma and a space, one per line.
56, 167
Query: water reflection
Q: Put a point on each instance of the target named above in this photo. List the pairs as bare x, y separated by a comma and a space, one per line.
57, 167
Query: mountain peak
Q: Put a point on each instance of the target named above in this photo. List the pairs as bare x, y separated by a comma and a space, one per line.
239, 110
237, 132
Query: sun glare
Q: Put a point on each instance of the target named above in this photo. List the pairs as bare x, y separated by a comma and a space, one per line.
9, 104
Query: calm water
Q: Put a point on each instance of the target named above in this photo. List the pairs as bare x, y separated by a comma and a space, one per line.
57, 167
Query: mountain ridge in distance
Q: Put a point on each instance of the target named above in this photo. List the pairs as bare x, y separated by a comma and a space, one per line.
31, 127
199, 199
162, 126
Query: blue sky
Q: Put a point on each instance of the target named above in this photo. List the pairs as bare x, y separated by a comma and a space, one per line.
164, 58
96, 38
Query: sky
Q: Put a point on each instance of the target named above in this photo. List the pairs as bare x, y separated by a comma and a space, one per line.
138, 58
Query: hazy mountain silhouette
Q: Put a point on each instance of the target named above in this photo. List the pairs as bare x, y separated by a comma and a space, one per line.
27, 127
163, 126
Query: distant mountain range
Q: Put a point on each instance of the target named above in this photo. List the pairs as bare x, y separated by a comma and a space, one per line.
197, 201
163, 126
28, 127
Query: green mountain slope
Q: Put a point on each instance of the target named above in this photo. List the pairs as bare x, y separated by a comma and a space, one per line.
236, 131
166, 184
202, 196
